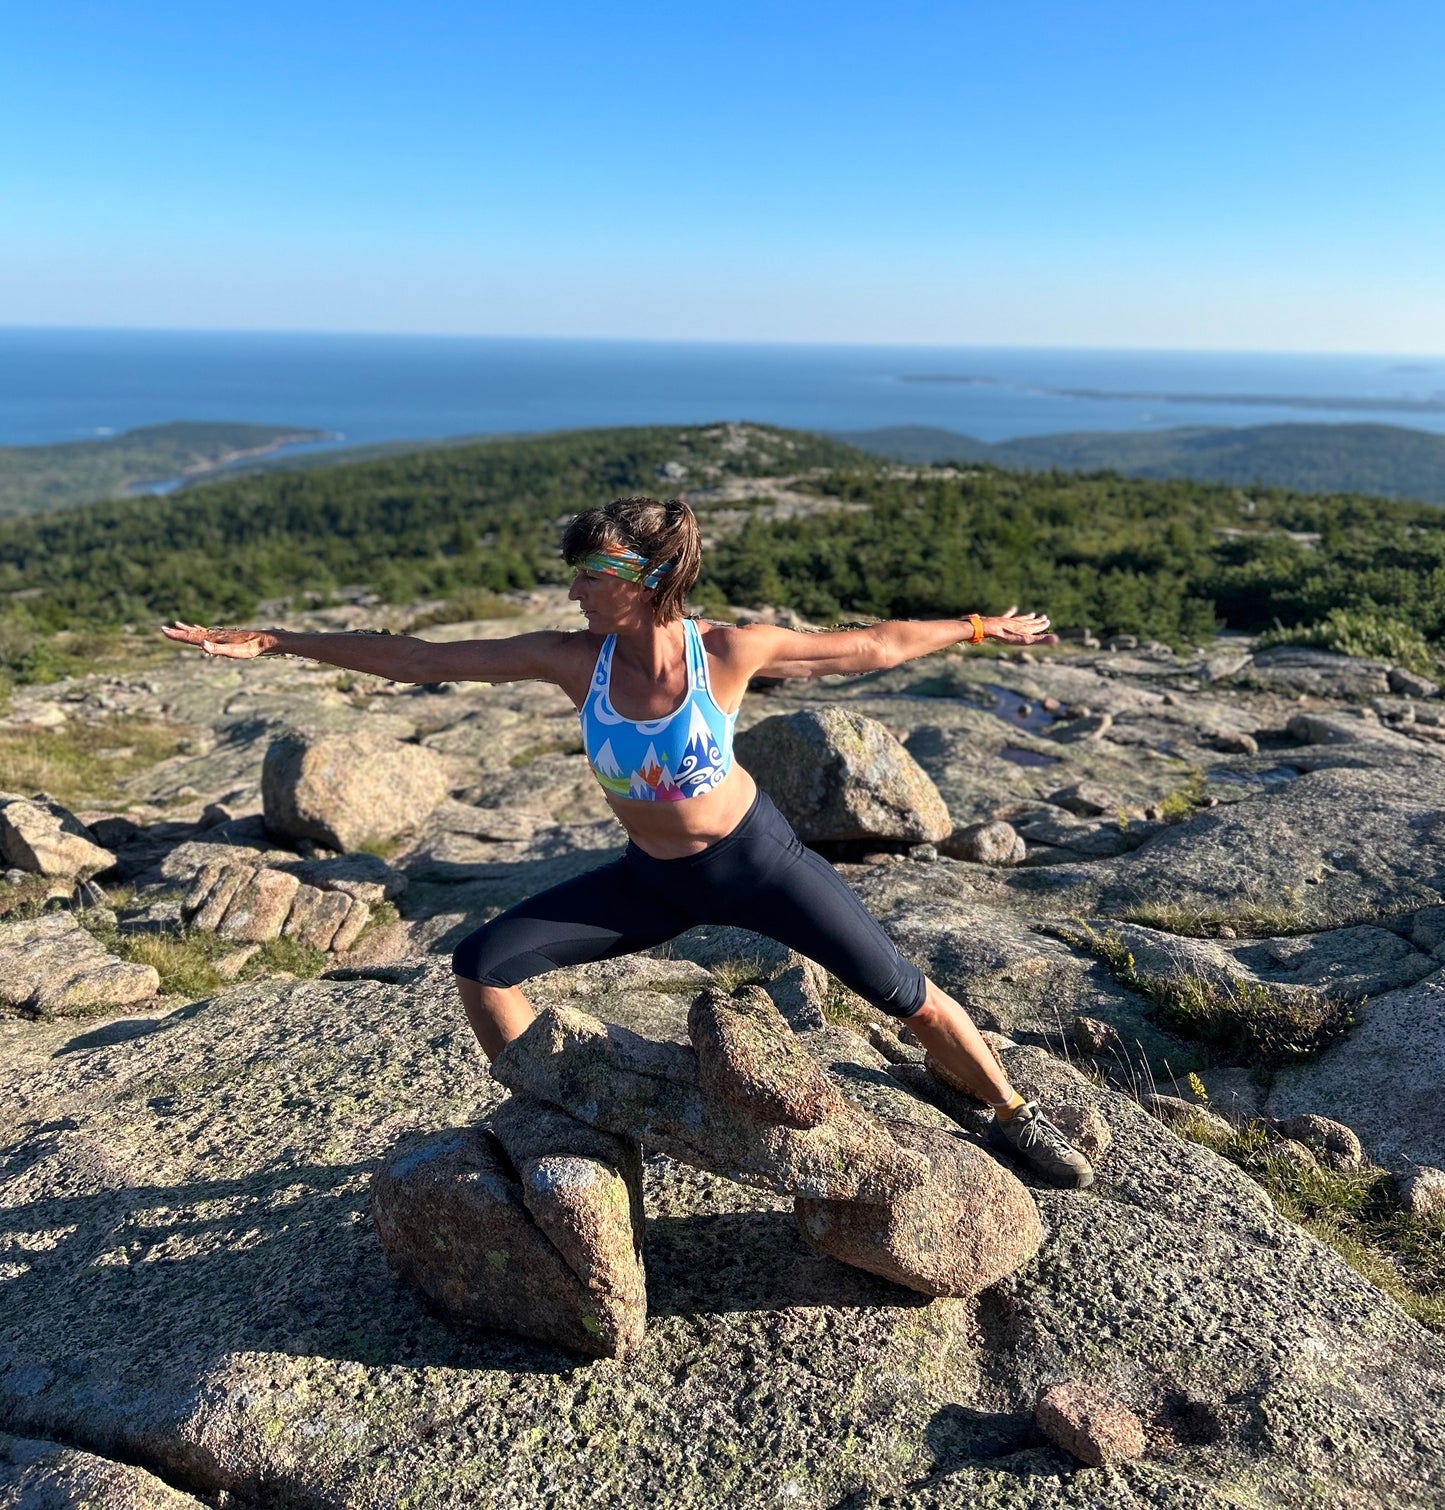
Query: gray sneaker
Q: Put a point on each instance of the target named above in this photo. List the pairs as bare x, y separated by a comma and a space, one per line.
1035, 1139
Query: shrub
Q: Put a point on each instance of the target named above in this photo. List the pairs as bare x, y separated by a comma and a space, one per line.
1366, 632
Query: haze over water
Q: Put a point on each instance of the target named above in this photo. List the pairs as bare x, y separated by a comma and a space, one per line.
64, 385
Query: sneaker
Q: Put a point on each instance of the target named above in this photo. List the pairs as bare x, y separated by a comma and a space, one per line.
1035, 1139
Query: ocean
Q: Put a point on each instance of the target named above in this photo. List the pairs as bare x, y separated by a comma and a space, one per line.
65, 385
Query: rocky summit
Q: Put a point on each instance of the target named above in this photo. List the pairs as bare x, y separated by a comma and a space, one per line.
713, 1234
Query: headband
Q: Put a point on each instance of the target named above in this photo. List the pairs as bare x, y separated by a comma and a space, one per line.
621, 562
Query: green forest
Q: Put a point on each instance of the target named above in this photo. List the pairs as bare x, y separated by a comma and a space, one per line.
36, 478
1387, 461
1170, 560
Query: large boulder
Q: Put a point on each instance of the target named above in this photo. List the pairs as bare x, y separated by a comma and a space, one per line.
1334, 847
1325, 673
539, 1242
836, 775
40, 836
50, 966
348, 790
37, 1475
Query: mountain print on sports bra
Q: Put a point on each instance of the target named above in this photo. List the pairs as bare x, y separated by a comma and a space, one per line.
668, 759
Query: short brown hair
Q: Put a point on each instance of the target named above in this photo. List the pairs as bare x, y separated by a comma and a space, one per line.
657, 531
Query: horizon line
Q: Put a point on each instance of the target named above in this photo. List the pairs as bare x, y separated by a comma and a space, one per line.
741, 342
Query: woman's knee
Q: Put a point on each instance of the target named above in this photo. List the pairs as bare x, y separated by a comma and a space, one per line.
908, 997
484, 956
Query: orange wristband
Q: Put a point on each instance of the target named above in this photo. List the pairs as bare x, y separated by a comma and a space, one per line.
977, 623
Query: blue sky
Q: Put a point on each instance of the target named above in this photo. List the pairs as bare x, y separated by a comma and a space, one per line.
1230, 175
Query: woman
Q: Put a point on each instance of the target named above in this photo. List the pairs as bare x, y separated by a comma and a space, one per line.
657, 695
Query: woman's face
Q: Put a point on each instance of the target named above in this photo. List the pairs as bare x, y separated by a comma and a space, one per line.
610, 603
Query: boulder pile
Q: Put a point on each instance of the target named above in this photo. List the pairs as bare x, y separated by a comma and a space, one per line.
539, 1205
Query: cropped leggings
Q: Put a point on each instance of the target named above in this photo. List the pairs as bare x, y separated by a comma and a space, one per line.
758, 877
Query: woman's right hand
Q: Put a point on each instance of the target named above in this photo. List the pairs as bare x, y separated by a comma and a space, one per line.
234, 644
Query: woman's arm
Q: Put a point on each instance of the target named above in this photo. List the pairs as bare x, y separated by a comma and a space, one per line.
399, 657
786, 652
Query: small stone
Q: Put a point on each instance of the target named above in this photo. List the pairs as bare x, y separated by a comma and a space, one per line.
1051, 705
216, 887
51, 965
1092, 1036
798, 992
351, 926
1086, 729
1086, 799
1295, 1152
995, 843
453, 1220
1408, 684
1169, 700
229, 966
1089, 1424
1333, 1141
747, 1054
960, 1231
1179, 1114
316, 916
1422, 1191
1084, 1127
924, 854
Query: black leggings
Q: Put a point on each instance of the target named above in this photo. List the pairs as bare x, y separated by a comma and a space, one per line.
758, 877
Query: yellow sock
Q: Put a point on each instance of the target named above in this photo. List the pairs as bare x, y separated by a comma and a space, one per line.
1004, 1110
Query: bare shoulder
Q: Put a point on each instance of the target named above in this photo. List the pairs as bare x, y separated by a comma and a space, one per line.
745, 648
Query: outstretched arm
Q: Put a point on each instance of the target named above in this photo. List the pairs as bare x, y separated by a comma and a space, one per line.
786, 652
399, 657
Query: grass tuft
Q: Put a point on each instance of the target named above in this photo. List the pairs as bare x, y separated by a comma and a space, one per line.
1186, 800
84, 764
1357, 1213
1248, 1022
1257, 920
287, 954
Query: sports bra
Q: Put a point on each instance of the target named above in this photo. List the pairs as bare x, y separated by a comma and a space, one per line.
683, 754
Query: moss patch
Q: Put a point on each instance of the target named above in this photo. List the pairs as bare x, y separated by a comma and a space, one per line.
531, 753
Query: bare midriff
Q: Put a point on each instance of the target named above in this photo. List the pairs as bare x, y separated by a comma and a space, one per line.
674, 830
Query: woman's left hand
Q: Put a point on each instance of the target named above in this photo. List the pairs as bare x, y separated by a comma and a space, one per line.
1015, 628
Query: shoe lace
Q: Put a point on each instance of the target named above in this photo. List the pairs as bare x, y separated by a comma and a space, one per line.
1036, 1131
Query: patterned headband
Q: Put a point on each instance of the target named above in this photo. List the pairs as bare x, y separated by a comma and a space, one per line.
621, 562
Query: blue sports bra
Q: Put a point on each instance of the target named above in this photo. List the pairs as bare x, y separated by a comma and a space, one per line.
683, 754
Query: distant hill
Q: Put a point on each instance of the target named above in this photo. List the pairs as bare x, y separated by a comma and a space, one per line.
34, 479
417, 524
1386, 461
